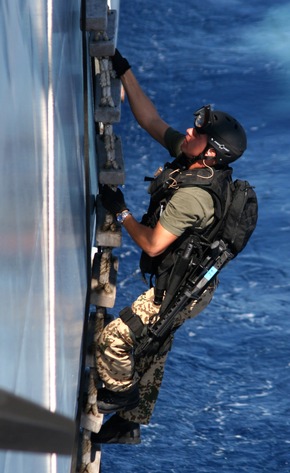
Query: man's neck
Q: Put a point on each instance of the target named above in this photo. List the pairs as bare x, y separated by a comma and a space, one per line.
203, 163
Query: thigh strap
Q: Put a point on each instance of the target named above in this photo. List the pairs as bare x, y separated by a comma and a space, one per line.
134, 322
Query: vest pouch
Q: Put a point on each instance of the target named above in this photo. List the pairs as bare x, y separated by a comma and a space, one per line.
159, 185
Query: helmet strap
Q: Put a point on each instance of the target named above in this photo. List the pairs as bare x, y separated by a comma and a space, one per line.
203, 156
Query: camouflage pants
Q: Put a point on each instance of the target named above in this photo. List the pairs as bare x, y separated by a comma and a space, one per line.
115, 361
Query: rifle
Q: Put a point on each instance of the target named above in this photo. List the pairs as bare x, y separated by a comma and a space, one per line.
196, 278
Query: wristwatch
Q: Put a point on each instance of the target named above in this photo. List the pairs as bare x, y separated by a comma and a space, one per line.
121, 216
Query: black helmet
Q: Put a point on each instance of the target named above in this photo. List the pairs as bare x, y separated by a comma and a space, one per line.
225, 134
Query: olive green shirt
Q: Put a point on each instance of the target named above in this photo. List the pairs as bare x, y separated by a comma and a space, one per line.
189, 206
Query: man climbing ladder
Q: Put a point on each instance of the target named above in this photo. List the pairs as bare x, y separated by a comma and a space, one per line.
189, 199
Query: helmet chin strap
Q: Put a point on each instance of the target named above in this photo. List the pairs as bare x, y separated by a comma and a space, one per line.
202, 156
188, 161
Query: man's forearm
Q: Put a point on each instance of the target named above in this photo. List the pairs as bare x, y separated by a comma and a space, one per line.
142, 235
143, 108
151, 240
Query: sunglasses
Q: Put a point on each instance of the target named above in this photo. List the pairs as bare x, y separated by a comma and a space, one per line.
202, 118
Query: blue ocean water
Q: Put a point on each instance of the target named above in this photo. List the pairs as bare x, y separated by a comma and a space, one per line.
224, 404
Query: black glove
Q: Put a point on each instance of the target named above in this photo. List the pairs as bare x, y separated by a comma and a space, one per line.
120, 64
113, 201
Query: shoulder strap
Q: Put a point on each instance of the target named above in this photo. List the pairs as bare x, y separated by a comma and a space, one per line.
222, 213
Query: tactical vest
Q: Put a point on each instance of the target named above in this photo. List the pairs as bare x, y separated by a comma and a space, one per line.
161, 190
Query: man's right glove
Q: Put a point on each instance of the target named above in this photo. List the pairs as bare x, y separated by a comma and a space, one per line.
113, 200
120, 64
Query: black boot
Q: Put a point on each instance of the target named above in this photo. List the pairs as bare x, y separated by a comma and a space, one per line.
110, 401
118, 430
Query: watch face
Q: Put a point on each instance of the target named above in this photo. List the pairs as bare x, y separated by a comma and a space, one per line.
121, 217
